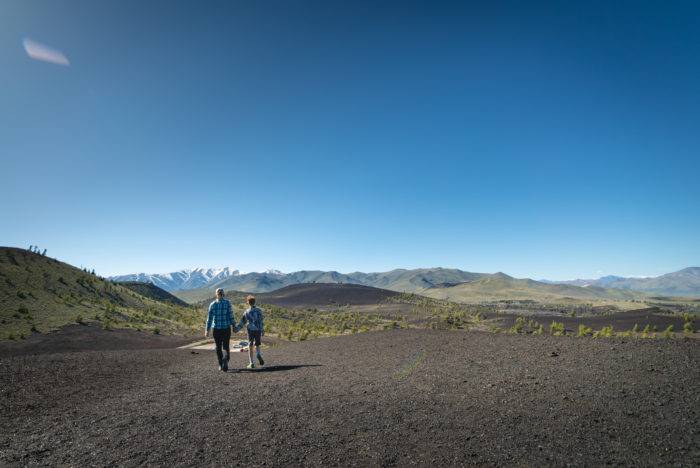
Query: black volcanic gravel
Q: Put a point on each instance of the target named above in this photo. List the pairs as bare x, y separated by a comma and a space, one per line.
386, 398
325, 294
89, 338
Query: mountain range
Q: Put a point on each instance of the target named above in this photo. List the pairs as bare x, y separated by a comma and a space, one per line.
500, 286
685, 282
193, 283
190, 278
228, 278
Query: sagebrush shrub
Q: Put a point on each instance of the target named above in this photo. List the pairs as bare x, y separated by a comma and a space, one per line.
556, 328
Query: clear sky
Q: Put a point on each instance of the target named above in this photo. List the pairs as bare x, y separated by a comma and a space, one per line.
546, 140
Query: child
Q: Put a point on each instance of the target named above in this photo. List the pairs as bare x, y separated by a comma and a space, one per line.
254, 317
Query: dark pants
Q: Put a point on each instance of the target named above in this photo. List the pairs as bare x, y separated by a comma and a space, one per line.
222, 337
254, 337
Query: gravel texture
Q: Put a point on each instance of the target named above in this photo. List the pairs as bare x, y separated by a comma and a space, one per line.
89, 338
386, 398
325, 294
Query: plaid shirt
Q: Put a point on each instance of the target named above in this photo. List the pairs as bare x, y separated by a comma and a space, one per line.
254, 318
220, 314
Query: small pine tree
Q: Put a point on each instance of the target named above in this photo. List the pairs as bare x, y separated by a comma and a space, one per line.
668, 333
518, 326
556, 328
688, 328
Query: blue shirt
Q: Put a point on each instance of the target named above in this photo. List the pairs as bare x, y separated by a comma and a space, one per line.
220, 314
254, 318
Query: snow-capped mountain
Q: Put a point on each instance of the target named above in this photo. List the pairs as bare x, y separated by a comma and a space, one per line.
189, 278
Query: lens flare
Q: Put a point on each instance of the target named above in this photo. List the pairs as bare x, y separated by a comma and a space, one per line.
42, 52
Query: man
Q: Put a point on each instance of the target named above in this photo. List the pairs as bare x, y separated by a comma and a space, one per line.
254, 317
220, 318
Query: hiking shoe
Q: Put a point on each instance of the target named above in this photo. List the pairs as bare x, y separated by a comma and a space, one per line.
250, 366
224, 365
260, 360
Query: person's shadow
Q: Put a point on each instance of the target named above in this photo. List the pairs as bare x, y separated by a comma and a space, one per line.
274, 368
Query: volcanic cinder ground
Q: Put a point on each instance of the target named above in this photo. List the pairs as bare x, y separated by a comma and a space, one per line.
382, 398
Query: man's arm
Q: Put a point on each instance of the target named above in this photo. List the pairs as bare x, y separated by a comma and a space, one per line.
210, 319
232, 318
262, 322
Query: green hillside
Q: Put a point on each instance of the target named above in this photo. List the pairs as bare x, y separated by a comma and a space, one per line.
500, 286
152, 291
39, 293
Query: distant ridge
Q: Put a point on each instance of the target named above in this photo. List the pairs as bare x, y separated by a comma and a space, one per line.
685, 282
152, 291
500, 286
189, 278
325, 294
400, 280
188, 284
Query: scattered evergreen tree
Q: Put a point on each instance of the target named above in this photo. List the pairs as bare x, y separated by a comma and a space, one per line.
668, 333
688, 328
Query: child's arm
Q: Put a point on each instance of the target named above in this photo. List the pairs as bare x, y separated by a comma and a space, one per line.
242, 322
262, 323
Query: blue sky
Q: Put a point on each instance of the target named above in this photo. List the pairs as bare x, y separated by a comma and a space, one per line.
548, 140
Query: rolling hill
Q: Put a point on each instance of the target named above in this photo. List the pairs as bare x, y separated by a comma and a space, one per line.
684, 282
39, 293
152, 291
500, 286
325, 294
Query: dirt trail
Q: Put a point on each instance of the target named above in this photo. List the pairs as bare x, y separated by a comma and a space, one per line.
386, 398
